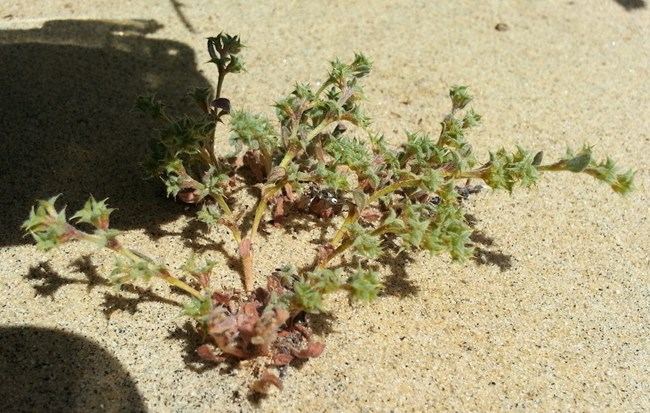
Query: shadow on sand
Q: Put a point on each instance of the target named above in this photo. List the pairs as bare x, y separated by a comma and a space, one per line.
66, 121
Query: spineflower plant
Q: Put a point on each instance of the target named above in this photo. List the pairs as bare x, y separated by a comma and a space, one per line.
380, 198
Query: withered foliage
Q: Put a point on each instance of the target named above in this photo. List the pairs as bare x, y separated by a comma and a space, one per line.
244, 326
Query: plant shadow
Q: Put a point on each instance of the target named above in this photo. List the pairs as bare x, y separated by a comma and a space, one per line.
46, 281
485, 250
630, 5
119, 302
68, 89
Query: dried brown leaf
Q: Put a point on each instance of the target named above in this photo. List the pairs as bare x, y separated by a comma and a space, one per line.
189, 196
266, 330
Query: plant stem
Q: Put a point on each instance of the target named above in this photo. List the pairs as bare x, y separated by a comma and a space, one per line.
228, 212
556, 167
132, 255
161, 273
246, 244
261, 206
337, 251
246, 254
222, 75
347, 244
165, 275
392, 188
288, 157
352, 216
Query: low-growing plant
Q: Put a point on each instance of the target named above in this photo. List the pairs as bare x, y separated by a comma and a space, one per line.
318, 158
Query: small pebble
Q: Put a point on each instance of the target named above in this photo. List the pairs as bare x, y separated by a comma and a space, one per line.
502, 27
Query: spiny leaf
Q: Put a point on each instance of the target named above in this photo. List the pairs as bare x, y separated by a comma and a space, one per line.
95, 213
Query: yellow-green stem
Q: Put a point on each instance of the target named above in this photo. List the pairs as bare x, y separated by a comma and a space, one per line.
349, 219
354, 214
347, 244
261, 206
180, 284
552, 167
164, 274
392, 188
288, 157
226, 210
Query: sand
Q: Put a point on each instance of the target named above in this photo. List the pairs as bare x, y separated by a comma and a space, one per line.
552, 315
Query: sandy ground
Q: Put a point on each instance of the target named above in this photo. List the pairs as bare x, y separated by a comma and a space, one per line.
553, 315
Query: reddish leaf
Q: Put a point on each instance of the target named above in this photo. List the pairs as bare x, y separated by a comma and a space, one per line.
322, 208
278, 212
263, 384
245, 248
206, 353
239, 162
274, 285
324, 252
313, 349
266, 329
282, 359
371, 214
253, 159
288, 189
189, 196
222, 298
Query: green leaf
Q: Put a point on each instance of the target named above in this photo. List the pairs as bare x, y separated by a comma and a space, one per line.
106, 237
254, 131
47, 226
361, 66
509, 169
326, 280
150, 106
195, 269
210, 214
198, 308
213, 181
332, 179
223, 49
128, 271
579, 162
364, 285
307, 297
624, 182
416, 225
364, 243
471, 119
431, 180
95, 213
201, 96
459, 97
